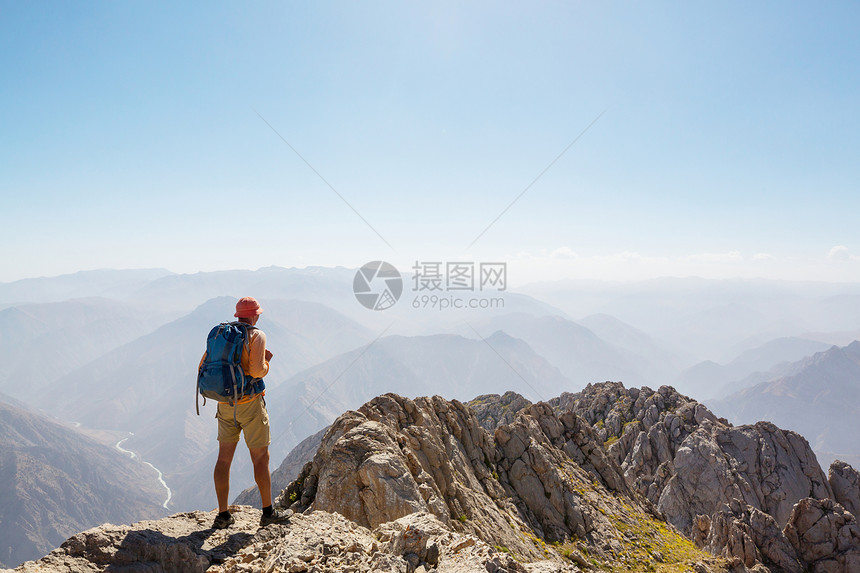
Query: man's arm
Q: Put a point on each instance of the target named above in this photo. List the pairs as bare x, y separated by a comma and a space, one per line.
258, 357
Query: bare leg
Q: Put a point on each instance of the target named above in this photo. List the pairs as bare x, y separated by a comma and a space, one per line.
222, 474
260, 459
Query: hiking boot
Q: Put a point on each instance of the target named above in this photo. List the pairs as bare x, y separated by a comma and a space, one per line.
223, 522
278, 516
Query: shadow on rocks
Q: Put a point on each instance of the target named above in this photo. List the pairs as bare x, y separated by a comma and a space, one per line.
188, 553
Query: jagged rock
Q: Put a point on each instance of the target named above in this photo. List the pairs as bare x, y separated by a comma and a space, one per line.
317, 541
182, 543
688, 462
493, 410
845, 482
768, 468
729, 488
395, 457
825, 536
421, 485
740, 532
542, 478
426, 542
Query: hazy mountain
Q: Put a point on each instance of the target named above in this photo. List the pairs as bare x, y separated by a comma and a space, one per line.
183, 292
664, 360
714, 332
839, 312
54, 482
13, 402
836, 338
819, 397
580, 355
299, 334
110, 283
417, 315
416, 312
711, 380
707, 319
42, 342
147, 385
412, 366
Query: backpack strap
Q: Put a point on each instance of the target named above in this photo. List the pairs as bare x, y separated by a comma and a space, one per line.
245, 335
235, 398
197, 393
246, 331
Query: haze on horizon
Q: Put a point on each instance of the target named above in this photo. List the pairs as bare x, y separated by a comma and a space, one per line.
576, 140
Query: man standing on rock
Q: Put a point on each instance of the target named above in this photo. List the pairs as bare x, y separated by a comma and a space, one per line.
250, 416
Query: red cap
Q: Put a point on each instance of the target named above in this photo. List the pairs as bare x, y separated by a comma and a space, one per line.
247, 307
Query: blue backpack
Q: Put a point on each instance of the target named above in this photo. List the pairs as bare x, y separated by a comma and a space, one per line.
221, 376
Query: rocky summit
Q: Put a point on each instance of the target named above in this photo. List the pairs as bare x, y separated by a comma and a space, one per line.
608, 479
753, 494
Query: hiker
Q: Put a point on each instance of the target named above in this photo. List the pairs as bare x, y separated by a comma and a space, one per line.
248, 414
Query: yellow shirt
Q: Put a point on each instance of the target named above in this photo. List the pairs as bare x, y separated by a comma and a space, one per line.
253, 360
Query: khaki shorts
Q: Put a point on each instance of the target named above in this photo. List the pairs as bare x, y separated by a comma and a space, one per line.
253, 419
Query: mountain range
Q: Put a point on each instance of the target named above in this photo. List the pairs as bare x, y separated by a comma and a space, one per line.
713, 319
818, 396
579, 353
116, 352
41, 342
711, 380
106, 283
55, 481
609, 479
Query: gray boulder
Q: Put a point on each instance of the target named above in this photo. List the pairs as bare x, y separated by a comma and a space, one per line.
845, 482
825, 536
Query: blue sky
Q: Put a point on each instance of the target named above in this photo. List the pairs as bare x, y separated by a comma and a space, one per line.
132, 137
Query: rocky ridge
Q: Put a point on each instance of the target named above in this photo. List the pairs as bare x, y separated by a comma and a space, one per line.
606, 479
686, 461
753, 494
736, 491
316, 541
541, 487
